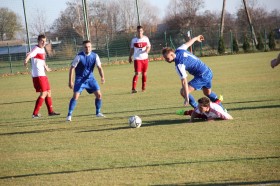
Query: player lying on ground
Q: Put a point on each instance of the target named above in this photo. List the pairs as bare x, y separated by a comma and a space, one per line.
208, 111
275, 61
185, 61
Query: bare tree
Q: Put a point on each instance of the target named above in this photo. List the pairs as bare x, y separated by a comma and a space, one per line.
39, 22
182, 13
98, 19
9, 24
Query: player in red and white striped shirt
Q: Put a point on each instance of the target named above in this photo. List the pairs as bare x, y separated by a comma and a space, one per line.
40, 80
209, 111
139, 48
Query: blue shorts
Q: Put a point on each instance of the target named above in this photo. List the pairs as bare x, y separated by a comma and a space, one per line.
91, 86
204, 80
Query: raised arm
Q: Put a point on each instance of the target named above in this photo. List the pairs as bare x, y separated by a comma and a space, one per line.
199, 38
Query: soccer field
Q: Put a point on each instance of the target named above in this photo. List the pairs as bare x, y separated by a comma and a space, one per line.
165, 150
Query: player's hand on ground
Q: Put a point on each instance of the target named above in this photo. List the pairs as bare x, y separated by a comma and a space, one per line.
71, 85
200, 38
102, 80
186, 102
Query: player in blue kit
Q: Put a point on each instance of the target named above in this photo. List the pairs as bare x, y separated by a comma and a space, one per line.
84, 64
186, 61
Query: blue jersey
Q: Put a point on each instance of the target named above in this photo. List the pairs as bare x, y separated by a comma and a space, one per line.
186, 61
84, 65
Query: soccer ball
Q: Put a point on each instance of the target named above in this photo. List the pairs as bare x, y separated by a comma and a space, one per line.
134, 121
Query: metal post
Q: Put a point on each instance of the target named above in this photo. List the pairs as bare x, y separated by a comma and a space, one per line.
165, 39
200, 49
192, 48
26, 27
107, 45
265, 39
84, 2
231, 42
137, 12
11, 68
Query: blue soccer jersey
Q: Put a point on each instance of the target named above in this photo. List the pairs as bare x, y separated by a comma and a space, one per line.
186, 61
84, 65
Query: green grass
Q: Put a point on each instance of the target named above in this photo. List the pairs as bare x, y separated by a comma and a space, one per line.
165, 150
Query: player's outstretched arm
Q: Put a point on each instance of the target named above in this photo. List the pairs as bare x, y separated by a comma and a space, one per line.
194, 115
199, 38
26, 60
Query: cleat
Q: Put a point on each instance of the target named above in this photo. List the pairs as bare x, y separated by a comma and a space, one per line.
54, 114
221, 98
100, 115
36, 116
69, 118
180, 112
133, 91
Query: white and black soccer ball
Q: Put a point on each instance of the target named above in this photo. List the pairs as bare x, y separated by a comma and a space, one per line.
134, 121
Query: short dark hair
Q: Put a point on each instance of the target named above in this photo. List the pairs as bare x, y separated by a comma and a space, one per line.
139, 27
41, 36
166, 50
204, 101
86, 41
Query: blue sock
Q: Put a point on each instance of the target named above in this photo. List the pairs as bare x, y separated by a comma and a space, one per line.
192, 101
98, 104
72, 106
213, 97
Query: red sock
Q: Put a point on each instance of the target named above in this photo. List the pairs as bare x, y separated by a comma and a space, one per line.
144, 80
38, 105
48, 101
134, 82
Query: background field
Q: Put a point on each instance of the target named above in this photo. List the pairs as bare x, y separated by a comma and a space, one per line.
166, 150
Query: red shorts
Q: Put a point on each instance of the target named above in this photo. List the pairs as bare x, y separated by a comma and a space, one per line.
141, 65
41, 83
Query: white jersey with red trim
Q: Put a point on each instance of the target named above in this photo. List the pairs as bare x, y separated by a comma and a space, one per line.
215, 112
38, 56
140, 45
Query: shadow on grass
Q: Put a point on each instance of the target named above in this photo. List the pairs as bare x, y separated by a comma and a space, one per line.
141, 166
143, 110
226, 183
146, 124
257, 107
17, 102
252, 101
